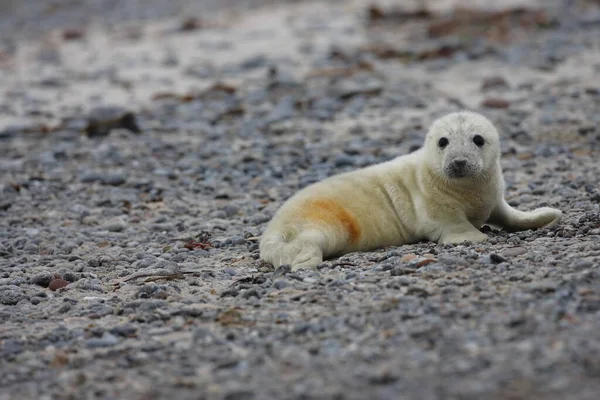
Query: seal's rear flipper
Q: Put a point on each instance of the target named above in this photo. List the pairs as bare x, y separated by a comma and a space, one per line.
514, 220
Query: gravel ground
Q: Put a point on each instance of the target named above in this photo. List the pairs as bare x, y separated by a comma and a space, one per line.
140, 162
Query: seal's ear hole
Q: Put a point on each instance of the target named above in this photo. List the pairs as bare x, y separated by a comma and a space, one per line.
478, 140
443, 142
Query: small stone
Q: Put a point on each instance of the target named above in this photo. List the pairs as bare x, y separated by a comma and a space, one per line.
42, 279
10, 295
251, 293
57, 284
399, 271
124, 330
31, 248
497, 259
285, 109
11, 347
384, 376
114, 179
254, 62
230, 210
343, 160
585, 130
238, 240
66, 274
383, 267
106, 340
5, 204
583, 264
91, 177
118, 226
495, 102
350, 88
102, 120
281, 284
231, 292
282, 270
417, 290
544, 286
514, 252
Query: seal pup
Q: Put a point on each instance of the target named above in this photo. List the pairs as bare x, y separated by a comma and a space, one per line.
444, 192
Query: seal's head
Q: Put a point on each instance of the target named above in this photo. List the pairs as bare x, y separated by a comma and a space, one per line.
462, 145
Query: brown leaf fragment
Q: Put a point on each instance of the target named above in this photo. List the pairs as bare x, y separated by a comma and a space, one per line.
493, 24
425, 261
192, 244
495, 102
191, 24
73, 34
57, 284
376, 14
60, 359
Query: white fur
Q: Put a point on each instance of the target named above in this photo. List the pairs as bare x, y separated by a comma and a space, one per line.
405, 200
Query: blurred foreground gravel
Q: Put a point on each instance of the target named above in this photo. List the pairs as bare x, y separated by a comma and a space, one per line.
142, 156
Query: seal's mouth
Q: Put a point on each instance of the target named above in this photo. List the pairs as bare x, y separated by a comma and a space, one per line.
458, 168
457, 174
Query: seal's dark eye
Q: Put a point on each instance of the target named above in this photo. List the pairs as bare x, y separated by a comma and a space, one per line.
478, 140
443, 142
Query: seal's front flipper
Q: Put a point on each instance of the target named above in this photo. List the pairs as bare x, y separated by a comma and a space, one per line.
463, 232
514, 220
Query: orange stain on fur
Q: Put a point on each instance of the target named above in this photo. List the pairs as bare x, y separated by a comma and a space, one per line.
329, 212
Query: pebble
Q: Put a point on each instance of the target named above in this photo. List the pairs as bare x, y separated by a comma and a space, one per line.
514, 252
124, 330
10, 295
543, 286
231, 210
102, 120
114, 179
115, 226
283, 110
90, 177
231, 292
342, 160
31, 248
281, 284
494, 82
56, 284
282, 270
42, 279
497, 259
106, 340
251, 293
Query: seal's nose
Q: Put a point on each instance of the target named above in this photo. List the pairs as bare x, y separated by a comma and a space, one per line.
459, 164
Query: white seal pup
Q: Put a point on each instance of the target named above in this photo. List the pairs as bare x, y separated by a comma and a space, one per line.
444, 192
